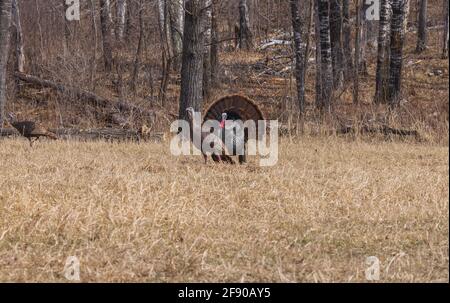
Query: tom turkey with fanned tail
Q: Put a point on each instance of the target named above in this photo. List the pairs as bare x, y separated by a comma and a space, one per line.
231, 109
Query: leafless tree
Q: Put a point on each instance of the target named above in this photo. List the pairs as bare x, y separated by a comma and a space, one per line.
192, 59
326, 69
396, 51
346, 40
422, 31
19, 49
357, 53
207, 51
121, 18
382, 72
336, 42
106, 28
176, 13
214, 56
5, 20
299, 53
245, 34
445, 40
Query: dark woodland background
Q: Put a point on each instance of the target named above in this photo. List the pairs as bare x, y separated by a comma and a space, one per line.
121, 64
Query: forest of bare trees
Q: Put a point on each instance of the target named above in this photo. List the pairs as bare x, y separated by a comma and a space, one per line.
224, 141
129, 50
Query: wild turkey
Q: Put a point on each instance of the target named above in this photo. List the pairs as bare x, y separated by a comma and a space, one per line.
30, 129
219, 153
235, 107
233, 136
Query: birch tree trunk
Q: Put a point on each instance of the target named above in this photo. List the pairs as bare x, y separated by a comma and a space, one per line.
106, 27
362, 33
382, 72
326, 68
192, 59
318, 59
445, 44
396, 49
245, 34
422, 30
406, 9
299, 54
5, 21
121, 18
336, 41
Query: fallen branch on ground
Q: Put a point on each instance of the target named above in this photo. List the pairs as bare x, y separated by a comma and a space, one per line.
94, 134
382, 129
80, 94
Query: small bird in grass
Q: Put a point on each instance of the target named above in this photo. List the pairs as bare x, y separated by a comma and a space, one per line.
30, 129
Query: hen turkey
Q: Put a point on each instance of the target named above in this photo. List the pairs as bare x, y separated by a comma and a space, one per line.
30, 129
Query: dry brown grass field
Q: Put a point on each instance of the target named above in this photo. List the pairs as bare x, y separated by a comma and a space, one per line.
133, 212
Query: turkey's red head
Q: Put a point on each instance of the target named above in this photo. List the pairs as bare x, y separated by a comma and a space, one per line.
224, 118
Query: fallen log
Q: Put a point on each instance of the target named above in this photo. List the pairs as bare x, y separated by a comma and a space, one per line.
382, 129
80, 93
110, 134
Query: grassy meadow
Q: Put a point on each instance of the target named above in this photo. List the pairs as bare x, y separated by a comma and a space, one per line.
135, 213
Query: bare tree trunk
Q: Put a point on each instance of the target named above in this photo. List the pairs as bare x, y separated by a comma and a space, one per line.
362, 33
214, 57
347, 37
164, 26
105, 20
406, 9
422, 31
299, 54
20, 53
207, 50
445, 44
357, 54
192, 60
245, 34
396, 49
336, 42
95, 46
325, 55
41, 38
308, 38
137, 58
67, 33
176, 12
5, 20
19, 65
167, 52
121, 18
318, 59
382, 73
